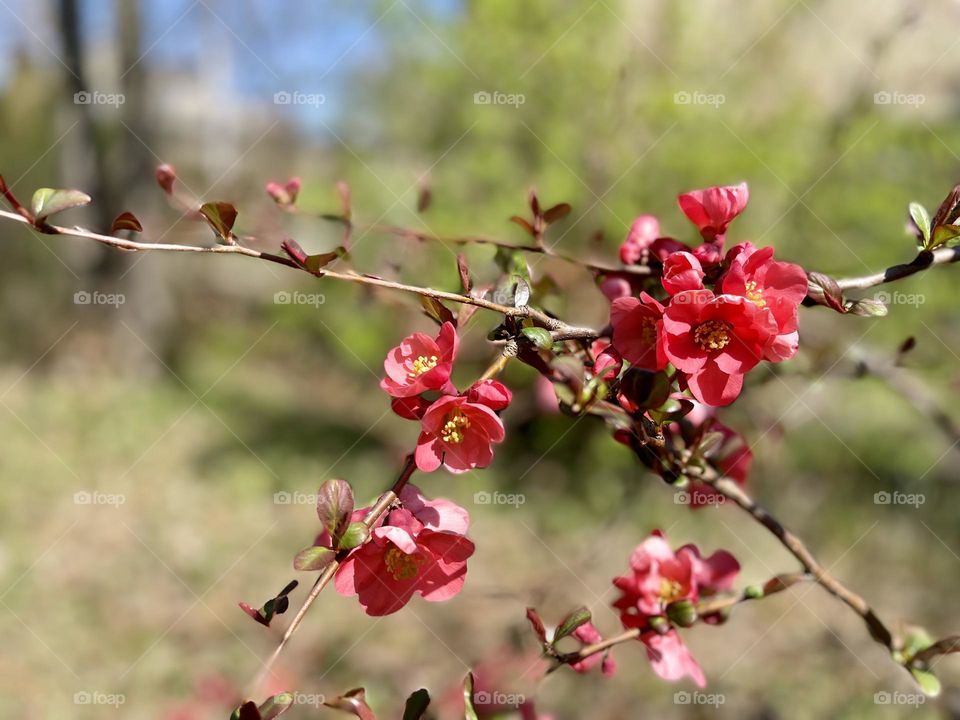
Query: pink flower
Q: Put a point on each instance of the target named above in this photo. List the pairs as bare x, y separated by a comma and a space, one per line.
714, 340
284, 195
418, 549
615, 286
607, 362
778, 287
643, 231
682, 271
636, 329
670, 658
712, 209
459, 433
587, 634
421, 363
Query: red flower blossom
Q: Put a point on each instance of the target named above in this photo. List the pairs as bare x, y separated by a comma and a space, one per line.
670, 658
643, 231
459, 433
419, 548
421, 363
636, 329
682, 271
712, 209
778, 287
714, 340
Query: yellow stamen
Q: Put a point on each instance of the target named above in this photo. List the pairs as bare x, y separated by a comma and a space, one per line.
670, 589
423, 364
400, 565
453, 429
755, 295
713, 334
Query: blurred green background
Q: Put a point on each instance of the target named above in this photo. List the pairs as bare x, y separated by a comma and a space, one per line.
200, 396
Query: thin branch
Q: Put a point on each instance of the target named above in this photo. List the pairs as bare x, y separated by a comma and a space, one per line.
924, 260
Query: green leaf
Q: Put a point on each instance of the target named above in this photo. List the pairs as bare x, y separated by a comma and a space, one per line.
47, 202
709, 444
316, 263
416, 705
469, 713
334, 506
313, 558
355, 535
221, 216
539, 337
927, 681
570, 623
126, 221
276, 706
921, 219
521, 292
943, 234
867, 307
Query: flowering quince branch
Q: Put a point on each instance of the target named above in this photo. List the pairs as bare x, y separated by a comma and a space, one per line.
687, 324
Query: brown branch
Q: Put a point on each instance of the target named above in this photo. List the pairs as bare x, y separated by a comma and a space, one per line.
924, 260
941, 647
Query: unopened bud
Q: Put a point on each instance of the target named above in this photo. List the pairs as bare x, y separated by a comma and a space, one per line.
682, 613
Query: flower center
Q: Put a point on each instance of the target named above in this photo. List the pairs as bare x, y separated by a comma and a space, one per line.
712, 334
423, 364
452, 431
670, 589
400, 565
755, 295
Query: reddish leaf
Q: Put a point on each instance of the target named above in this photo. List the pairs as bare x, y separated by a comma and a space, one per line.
354, 702
537, 624
296, 253
437, 310
343, 190
166, 177
221, 216
465, 281
334, 505
126, 221
424, 197
557, 212
524, 224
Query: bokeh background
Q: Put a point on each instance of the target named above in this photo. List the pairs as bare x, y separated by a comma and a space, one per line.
200, 397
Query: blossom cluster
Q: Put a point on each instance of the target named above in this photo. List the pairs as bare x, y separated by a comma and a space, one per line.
717, 315
457, 429
660, 590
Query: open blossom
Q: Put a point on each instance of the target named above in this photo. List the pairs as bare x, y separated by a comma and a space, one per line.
712, 209
636, 330
421, 363
458, 431
714, 340
417, 549
658, 577
587, 634
778, 287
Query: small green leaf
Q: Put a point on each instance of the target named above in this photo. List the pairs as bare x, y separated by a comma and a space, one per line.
355, 535
313, 558
276, 706
927, 681
416, 705
521, 292
921, 218
539, 336
47, 202
570, 623
469, 712
866, 307
943, 235
221, 216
